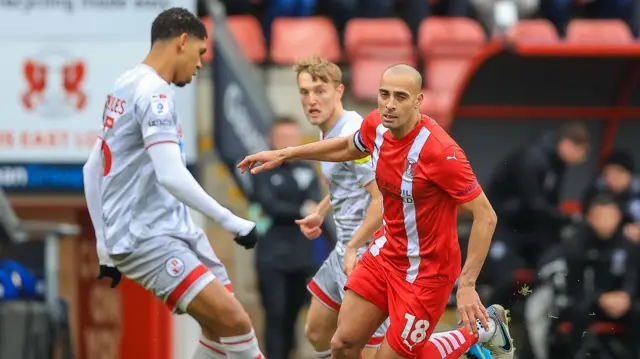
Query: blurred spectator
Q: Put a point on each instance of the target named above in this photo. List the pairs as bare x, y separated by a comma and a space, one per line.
618, 179
560, 11
597, 300
634, 21
284, 257
525, 192
233, 7
486, 10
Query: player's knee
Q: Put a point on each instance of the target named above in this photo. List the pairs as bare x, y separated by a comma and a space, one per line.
317, 333
236, 321
344, 346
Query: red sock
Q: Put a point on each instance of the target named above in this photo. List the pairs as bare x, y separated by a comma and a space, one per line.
448, 345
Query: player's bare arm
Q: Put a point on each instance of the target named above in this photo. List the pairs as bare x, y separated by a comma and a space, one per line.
324, 207
372, 221
484, 224
482, 228
340, 149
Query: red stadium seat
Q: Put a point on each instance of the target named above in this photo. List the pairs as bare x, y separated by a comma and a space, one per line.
294, 38
387, 38
208, 56
438, 105
533, 31
366, 72
448, 45
444, 73
450, 37
599, 32
247, 32
372, 45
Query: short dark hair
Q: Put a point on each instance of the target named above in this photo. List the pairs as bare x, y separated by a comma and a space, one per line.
284, 120
603, 199
576, 132
174, 22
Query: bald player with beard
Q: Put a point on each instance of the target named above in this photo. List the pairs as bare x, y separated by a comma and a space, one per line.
409, 271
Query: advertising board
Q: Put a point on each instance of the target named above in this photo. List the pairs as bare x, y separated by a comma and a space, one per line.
59, 63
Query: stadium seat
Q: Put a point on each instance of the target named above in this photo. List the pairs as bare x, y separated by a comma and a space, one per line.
448, 45
450, 37
378, 38
247, 32
365, 75
438, 105
294, 38
208, 56
372, 45
533, 31
599, 32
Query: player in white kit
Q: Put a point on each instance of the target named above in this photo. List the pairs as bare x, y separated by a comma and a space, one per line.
353, 195
139, 192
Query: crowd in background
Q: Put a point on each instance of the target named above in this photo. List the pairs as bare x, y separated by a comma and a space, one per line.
584, 265
490, 13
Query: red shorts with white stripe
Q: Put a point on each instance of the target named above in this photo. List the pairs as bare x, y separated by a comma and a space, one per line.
414, 310
175, 270
327, 286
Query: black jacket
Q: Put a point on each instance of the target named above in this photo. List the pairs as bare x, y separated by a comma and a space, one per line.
525, 189
629, 201
596, 266
281, 194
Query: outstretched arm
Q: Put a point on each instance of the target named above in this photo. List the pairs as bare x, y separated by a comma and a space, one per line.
341, 149
175, 178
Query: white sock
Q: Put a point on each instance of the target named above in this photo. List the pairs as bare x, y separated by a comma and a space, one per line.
209, 349
324, 354
242, 346
486, 335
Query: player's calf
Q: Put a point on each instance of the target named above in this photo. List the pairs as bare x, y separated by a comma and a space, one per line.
219, 312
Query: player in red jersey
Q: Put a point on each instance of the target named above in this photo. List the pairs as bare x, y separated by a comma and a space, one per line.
410, 269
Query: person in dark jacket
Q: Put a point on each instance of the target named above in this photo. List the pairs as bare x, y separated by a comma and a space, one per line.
618, 179
284, 258
525, 193
600, 286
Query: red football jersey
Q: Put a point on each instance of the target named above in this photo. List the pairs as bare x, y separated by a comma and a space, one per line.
422, 178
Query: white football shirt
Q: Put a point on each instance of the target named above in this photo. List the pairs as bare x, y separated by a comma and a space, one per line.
346, 181
139, 112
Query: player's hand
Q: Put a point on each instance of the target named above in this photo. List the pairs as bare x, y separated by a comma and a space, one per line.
471, 310
110, 272
268, 159
311, 225
248, 241
350, 260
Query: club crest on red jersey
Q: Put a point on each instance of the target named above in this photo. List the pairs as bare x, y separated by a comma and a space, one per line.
410, 166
